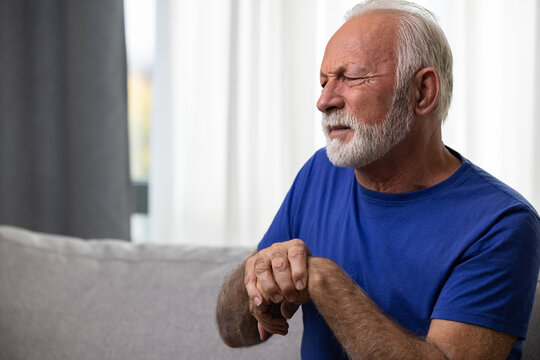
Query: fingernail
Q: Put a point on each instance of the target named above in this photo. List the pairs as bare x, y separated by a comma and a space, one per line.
257, 301
278, 298
299, 284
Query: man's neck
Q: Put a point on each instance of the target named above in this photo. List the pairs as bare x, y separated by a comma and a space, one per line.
409, 167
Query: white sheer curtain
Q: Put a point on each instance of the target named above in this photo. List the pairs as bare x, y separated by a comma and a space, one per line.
235, 89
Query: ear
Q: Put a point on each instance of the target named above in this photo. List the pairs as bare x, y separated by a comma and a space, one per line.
426, 86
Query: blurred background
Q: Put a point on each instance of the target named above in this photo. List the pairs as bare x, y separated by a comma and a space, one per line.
220, 100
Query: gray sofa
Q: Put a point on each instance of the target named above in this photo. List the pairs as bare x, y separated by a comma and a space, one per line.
64, 298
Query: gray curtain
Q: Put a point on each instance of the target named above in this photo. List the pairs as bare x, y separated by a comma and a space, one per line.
63, 117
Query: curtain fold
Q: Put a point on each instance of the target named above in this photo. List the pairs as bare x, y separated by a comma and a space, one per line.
63, 117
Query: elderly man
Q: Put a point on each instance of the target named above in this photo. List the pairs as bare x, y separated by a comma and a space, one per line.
396, 246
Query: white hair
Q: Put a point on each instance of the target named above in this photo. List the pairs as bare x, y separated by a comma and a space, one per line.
421, 43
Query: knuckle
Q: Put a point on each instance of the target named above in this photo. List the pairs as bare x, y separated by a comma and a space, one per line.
248, 267
279, 264
248, 275
297, 252
261, 268
249, 278
297, 242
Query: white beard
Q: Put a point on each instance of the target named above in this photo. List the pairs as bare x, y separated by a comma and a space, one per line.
369, 142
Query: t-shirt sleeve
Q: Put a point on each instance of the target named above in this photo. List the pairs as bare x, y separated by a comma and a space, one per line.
494, 283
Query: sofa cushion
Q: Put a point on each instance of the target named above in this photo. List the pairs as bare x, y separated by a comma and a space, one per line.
65, 298
531, 346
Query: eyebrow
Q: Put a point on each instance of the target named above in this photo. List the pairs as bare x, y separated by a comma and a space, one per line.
343, 68
339, 70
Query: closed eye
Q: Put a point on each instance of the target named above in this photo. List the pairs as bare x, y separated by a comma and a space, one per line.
347, 78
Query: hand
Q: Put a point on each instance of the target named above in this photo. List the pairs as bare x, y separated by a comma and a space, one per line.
270, 319
277, 275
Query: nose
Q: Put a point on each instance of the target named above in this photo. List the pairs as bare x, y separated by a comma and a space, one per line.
330, 98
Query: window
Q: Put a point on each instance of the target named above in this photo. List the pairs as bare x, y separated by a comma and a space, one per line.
140, 40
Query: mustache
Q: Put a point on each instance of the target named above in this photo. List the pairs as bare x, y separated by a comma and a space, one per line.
338, 118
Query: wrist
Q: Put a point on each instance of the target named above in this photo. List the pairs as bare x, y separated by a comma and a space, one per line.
320, 270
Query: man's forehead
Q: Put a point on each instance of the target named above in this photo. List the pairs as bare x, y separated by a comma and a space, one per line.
363, 40
373, 23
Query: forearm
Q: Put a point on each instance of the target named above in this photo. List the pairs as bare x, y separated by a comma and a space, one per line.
363, 330
237, 326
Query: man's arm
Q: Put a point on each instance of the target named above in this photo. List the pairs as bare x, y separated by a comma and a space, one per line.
366, 332
277, 274
240, 321
237, 327
247, 314
361, 327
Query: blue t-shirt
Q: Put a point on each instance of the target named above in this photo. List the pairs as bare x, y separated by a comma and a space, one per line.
466, 249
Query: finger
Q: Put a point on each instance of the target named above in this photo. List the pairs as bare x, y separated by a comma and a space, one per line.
263, 334
265, 280
255, 309
288, 309
273, 325
297, 256
250, 282
267, 331
282, 276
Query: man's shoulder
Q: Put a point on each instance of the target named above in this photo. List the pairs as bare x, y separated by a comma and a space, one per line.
499, 193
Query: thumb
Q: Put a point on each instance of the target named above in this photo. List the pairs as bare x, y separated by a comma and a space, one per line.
263, 334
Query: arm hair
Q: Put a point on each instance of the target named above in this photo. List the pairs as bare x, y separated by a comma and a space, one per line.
237, 327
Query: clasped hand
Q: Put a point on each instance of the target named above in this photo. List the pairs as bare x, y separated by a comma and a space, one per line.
279, 275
